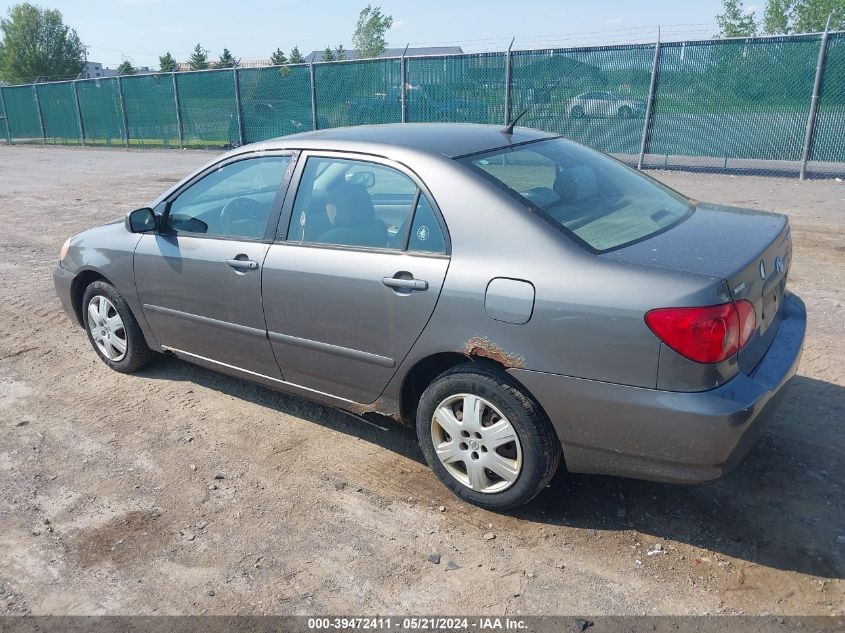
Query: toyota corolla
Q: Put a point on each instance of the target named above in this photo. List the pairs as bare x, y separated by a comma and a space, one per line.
521, 299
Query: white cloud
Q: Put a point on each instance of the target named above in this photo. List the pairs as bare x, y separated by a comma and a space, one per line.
617, 20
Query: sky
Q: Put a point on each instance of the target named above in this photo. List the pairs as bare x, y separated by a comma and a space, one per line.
141, 30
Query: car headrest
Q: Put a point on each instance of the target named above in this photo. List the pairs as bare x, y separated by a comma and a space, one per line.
352, 204
576, 183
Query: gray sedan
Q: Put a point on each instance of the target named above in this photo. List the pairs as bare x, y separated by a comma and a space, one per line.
518, 297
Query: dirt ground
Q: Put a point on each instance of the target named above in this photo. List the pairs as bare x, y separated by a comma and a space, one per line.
110, 500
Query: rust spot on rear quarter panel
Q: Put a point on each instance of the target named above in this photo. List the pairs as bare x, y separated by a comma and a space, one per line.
482, 347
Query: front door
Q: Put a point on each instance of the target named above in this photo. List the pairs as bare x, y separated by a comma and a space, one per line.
351, 289
199, 278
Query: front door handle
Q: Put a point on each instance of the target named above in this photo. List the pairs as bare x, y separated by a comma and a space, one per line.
242, 264
405, 284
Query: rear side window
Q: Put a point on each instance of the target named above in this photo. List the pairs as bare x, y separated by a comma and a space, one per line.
358, 203
601, 202
232, 201
426, 235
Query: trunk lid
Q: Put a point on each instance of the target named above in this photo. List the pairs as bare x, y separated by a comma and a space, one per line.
750, 250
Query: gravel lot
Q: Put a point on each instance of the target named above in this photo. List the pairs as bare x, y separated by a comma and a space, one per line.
109, 501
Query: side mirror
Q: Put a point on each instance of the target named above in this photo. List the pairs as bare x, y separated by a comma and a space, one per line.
141, 220
365, 179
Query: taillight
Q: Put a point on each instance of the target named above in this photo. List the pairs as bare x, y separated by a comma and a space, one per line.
704, 334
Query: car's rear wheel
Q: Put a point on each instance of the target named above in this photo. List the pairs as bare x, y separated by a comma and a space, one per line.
576, 112
625, 112
485, 438
112, 329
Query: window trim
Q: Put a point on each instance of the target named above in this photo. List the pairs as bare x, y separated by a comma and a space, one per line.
296, 181
275, 208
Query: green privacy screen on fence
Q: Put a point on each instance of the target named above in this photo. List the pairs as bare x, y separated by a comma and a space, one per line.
829, 137
457, 89
741, 99
275, 101
22, 113
60, 122
736, 103
357, 93
596, 96
99, 107
150, 110
207, 107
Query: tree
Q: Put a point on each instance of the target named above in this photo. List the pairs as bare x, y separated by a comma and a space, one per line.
35, 42
811, 15
167, 63
340, 52
328, 54
803, 16
126, 68
226, 60
735, 21
198, 59
777, 17
295, 56
369, 37
278, 58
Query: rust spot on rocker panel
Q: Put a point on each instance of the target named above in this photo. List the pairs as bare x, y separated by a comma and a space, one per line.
384, 407
482, 347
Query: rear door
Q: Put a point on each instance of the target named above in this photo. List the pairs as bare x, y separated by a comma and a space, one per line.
355, 276
199, 278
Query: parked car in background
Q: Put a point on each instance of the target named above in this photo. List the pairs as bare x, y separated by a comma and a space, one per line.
516, 296
438, 103
604, 104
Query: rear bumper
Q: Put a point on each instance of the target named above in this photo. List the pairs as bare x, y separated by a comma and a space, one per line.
63, 280
669, 436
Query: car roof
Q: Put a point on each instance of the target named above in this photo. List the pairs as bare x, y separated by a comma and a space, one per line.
446, 139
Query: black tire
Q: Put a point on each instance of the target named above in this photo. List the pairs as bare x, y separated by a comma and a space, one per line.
577, 112
137, 353
625, 112
540, 446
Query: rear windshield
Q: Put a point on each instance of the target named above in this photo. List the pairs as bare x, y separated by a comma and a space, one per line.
600, 201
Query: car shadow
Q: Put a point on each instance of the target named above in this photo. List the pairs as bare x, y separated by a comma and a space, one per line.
781, 507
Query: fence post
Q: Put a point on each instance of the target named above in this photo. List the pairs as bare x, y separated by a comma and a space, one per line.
5, 117
508, 84
40, 114
403, 91
238, 105
78, 113
123, 110
649, 102
313, 95
814, 102
179, 130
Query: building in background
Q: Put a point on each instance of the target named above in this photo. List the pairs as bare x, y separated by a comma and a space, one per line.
92, 70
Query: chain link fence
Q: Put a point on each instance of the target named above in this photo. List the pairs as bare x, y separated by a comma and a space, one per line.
758, 105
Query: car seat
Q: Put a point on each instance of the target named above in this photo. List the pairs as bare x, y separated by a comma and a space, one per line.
355, 223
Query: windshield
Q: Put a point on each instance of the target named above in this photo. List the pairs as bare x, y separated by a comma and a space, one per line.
602, 202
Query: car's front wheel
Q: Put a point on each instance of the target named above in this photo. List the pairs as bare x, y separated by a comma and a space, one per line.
577, 112
625, 112
112, 329
485, 438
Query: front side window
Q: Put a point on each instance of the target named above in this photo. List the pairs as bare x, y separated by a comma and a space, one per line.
355, 203
600, 201
234, 200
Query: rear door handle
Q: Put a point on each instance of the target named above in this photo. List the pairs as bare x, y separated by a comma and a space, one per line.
242, 264
405, 284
